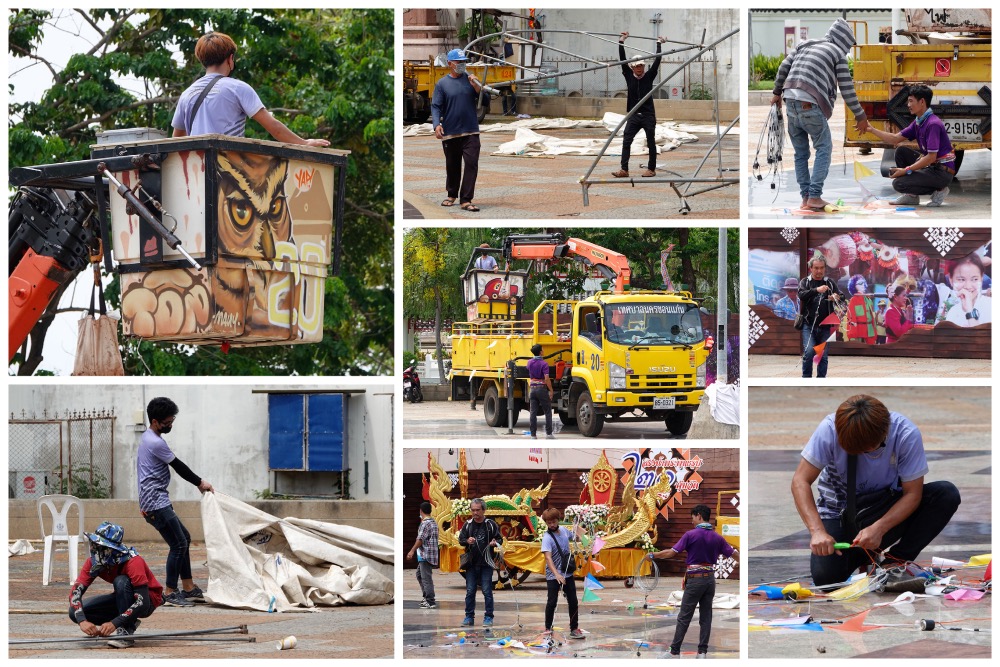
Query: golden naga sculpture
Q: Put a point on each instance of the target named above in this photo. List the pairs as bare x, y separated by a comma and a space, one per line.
644, 518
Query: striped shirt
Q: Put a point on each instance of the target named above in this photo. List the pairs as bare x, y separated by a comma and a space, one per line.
818, 67
153, 471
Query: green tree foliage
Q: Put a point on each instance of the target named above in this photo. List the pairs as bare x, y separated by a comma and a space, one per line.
693, 264
324, 73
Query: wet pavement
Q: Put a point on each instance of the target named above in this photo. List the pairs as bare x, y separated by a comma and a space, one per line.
523, 187
450, 420
779, 544
612, 629
970, 196
859, 366
36, 612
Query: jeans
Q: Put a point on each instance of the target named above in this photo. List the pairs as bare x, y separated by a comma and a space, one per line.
923, 181
803, 125
539, 401
169, 526
938, 503
647, 123
425, 577
698, 592
103, 608
478, 576
457, 151
550, 604
811, 337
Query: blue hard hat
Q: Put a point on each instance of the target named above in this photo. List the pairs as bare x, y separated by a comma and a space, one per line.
457, 54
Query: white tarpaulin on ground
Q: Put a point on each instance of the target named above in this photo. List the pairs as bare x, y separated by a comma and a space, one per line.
426, 129
258, 561
720, 601
527, 142
724, 402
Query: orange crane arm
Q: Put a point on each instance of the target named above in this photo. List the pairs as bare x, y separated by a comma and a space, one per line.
612, 265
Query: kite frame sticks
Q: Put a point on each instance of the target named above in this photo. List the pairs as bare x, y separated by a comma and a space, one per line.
193, 635
676, 179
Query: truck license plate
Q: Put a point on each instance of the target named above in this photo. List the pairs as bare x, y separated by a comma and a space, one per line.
406, 385
664, 403
963, 130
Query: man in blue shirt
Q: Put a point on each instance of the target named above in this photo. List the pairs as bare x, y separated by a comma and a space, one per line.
456, 124
539, 392
229, 102
929, 170
153, 465
787, 307
890, 505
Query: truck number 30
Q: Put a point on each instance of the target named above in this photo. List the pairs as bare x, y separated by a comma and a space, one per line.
595, 362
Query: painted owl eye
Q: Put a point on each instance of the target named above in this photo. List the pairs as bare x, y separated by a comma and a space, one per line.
277, 208
241, 212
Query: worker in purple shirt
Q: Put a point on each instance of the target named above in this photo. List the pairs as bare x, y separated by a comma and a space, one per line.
929, 170
703, 546
539, 393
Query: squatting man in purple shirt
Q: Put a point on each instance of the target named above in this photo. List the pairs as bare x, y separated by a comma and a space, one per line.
703, 546
881, 455
928, 170
153, 472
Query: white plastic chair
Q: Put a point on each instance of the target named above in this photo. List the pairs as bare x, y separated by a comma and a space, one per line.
60, 532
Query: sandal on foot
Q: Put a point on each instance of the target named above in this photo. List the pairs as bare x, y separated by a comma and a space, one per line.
449, 201
648, 173
470, 207
621, 173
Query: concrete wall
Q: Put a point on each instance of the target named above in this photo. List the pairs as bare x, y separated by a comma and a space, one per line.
767, 29
22, 516
700, 111
685, 25
221, 433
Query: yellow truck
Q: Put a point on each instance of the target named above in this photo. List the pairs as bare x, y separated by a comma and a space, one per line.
419, 79
952, 56
615, 355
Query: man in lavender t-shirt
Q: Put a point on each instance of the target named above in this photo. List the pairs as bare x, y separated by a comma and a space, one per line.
929, 170
230, 102
153, 465
894, 510
703, 546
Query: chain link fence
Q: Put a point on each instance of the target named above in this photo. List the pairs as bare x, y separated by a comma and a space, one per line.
72, 454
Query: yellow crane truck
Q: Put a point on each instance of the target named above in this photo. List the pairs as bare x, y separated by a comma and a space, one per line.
952, 55
419, 79
615, 355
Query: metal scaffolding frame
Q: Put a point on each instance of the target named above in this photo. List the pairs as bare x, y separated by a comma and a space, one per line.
676, 181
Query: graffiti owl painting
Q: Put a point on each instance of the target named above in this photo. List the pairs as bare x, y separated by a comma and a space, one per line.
252, 209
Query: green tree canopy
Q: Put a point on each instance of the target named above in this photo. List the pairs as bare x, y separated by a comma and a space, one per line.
325, 73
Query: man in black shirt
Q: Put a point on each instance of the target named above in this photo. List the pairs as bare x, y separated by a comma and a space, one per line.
639, 82
817, 296
480, 536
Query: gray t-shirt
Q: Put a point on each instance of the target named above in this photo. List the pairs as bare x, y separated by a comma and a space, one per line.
224, 111
153, 471
558, 545
902, 459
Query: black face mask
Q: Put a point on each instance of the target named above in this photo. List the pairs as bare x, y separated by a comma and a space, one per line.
166, 429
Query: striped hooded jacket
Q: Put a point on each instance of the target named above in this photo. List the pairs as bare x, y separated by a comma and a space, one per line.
819, 66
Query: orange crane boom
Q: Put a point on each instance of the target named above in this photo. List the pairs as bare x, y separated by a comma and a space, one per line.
612, 265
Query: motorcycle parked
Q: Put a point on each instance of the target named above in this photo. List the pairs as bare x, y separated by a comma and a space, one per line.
411, 385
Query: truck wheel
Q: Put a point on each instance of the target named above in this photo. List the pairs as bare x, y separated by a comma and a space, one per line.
566, 419
679, 423
959, 156
589, 421
494, 408
483, 110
